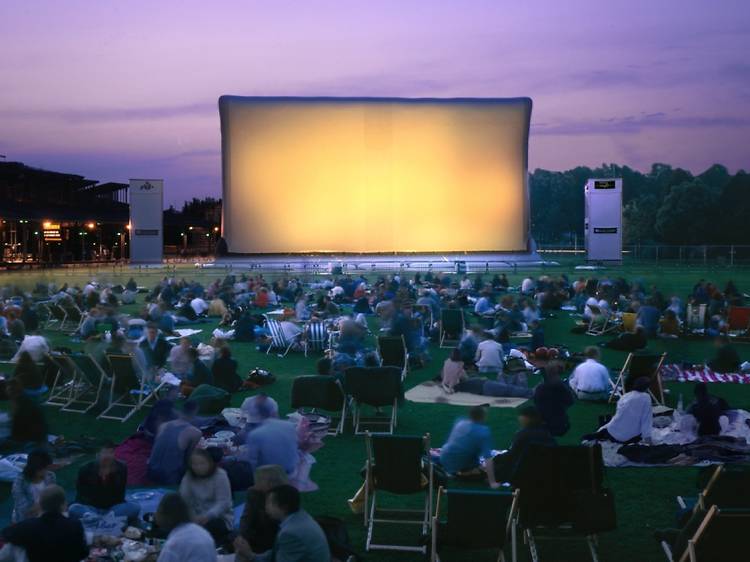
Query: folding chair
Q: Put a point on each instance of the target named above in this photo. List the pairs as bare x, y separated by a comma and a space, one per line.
728, 487
721, 536
65, 385
278, 339
57, 315
550, 484
73, 315
396, 465
452, 326
316, 337
378, 387
134, 391
320, 392
695, 318
88, 385
629, 321
601, 322
639, 365
393, 353
476, 519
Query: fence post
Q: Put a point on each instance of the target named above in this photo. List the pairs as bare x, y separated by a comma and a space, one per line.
731, 255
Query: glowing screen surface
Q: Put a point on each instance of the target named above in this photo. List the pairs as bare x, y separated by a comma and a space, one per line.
374, 175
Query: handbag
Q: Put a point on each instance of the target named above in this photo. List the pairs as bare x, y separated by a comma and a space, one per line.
595, 510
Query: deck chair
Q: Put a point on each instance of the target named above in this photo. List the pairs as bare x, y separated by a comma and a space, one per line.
738, 318
73, 316
377, 387
641, 365
397, 466
88, 385
129, 391
727, 487
278, 339
628, 322
476, 519
452, 326
695, 317
65, 384
721, 536
393, 353
551, 484
56, 318
602, 322
320, 392
316, 337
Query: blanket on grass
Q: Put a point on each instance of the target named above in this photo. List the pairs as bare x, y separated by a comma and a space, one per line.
431, 392
673, 372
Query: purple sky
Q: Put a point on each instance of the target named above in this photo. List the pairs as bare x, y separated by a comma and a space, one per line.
114, 90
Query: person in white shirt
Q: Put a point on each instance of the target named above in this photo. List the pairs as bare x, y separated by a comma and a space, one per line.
489, 356
199, 306
633, 420
590, 380
587, 312
465, 284
186, 541
527, 286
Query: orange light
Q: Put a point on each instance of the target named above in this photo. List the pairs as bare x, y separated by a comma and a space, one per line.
46, 224
127, 226
90, 225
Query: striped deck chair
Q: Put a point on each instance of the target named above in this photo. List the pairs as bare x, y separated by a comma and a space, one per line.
278, 339
89, 385
129, 391
316, 337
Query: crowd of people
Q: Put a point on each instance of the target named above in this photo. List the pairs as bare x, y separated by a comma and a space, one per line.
198, 518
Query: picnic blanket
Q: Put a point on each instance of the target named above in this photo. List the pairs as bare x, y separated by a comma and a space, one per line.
184, 333
674, 372
431, 392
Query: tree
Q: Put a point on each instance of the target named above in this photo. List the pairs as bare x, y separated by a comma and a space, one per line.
686, 214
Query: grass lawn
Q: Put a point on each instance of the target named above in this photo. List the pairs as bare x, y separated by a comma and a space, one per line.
644, 496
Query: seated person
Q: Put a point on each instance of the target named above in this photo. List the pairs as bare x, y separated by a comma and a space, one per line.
707, 410
669, 325
207, 492
629, 341
256, 527
468, 345
29, 375
453, 371
100, 487
553, 398
224, 371
469, 440
273, 441
489, 356
300, 537
180, 362
199, 371
484, 305
244, 327
323, 366
27, 487
257, 409
633, 419
537, 334
648, 317
174, 442
590, 379
503, 467
726, 358
28, 423
186, 541
51, 536
154, 348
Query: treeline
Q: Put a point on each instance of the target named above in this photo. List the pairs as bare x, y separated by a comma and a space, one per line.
663, 206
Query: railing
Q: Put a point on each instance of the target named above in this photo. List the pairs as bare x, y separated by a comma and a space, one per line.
707, 255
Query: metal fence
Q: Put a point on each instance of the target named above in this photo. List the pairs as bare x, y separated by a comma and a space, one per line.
707, 255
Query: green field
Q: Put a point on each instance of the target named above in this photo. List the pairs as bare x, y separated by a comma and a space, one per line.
645, 497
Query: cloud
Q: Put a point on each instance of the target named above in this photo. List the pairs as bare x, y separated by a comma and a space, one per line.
113, 113
633, 125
